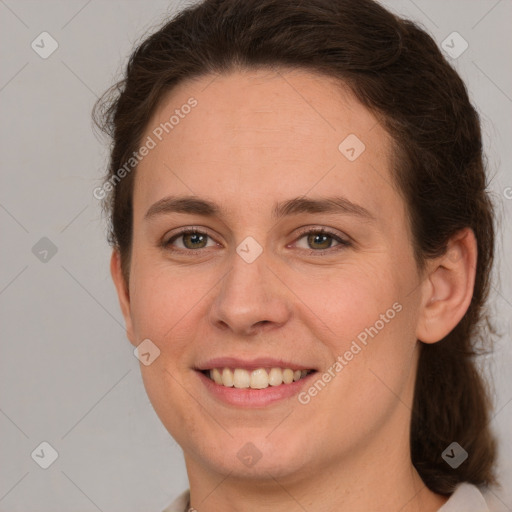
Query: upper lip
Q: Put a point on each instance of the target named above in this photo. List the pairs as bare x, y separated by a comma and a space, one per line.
250, 364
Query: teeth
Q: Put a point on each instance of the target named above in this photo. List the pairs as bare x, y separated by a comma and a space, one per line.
260, 378
275, 377
287, 376
216, 376
227, 378
241, 378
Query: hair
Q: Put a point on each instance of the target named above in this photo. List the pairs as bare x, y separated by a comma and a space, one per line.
396, 70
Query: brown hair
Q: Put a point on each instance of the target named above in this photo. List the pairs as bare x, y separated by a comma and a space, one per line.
397, 71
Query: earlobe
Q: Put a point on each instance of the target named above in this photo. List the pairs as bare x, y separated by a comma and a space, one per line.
123, 293
448, 288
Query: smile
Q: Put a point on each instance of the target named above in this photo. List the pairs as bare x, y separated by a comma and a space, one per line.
260, 378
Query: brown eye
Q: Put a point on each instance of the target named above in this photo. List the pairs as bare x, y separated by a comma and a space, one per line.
324, 241
194, 240
190, 240
320, 240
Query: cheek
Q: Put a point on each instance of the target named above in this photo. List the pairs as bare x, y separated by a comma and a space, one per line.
161, 300
365, 315
371, 348
179, 411
347, 300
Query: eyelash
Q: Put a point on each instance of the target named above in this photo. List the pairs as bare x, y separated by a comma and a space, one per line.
343, 243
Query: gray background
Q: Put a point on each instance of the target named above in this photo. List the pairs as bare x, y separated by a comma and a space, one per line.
67, 373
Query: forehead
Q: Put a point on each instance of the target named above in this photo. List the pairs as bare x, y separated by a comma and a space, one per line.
251, 134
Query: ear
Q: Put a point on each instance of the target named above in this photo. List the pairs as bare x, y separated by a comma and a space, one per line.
447, 288
123, 293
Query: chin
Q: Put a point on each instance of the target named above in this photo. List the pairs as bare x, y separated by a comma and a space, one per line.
253, 456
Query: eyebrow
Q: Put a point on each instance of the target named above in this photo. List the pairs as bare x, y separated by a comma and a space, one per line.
195, 206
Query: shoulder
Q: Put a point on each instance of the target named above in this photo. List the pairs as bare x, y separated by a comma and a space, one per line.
180, 504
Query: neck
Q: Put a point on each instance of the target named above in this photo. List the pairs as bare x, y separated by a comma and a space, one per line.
381, 480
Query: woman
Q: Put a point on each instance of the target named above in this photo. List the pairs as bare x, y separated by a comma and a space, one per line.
302, 241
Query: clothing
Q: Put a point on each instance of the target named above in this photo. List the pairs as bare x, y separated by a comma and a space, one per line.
466, 498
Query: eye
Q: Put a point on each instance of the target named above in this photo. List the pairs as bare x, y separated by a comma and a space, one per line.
320, 240
191, 239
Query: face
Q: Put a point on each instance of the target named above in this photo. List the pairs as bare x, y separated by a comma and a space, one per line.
303, 263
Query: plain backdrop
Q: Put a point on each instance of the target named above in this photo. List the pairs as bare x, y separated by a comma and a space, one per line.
68, 376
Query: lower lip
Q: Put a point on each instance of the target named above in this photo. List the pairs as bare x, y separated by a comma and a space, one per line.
248, 397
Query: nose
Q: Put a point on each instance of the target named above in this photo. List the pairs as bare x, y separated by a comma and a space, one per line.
251, 299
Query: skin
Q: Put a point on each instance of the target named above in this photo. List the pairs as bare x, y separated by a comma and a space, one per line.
256, 138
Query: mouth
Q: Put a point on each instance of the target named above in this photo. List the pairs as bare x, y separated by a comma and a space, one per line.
253, 383
259, 378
